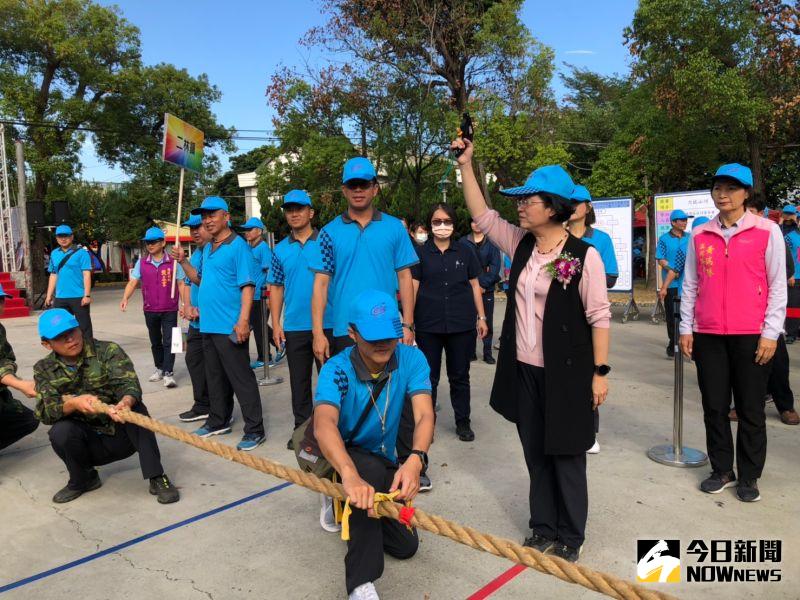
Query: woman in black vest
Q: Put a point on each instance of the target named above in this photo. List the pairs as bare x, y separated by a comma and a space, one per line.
551, 370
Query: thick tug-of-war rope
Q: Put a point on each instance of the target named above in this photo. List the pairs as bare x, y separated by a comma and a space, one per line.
570, 572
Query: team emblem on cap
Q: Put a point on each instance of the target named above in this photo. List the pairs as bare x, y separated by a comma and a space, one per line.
378, 310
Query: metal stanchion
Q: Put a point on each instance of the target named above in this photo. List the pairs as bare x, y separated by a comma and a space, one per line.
267, 379
676, 454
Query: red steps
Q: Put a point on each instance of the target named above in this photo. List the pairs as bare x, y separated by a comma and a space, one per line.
15, 306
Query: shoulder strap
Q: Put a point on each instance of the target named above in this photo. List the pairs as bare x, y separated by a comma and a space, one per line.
65, 258
379, 389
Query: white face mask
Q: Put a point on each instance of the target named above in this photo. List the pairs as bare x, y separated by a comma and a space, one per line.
442, 231
421, 237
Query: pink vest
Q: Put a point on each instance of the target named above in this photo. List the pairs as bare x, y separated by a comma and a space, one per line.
732, 286
156, 285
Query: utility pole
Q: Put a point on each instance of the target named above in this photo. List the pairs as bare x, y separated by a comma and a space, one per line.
23, 222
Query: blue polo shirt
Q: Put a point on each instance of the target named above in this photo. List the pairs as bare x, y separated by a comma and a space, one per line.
346, 383
605, 246
793, 243
69, 279
262, 256
290, 262
667, 249
225, 271
359, 259
678, 265
196, 260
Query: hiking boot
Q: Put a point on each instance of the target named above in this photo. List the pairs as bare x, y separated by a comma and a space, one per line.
169, 381
568, 553
538, 542
790, 417
464, 432
425, 484
157, 375
717, 482
732, 416
68, 494
251, 441
747, 491
162, 487
366, 591
190, 415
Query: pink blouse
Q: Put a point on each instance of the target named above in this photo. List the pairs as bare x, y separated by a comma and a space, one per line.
534, 284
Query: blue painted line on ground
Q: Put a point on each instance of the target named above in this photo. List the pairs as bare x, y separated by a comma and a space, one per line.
101, 553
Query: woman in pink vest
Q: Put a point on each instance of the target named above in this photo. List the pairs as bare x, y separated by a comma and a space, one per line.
732, 310
159, 303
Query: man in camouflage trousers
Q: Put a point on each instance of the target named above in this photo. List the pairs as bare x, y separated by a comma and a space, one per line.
16, 419
76, 374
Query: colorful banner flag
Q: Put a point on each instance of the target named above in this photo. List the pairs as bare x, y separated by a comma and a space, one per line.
183, 144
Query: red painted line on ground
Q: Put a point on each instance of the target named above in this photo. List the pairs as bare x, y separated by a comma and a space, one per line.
495, 584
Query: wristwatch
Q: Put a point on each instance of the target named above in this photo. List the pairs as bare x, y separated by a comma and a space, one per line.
410, 327
602, 370
423, 457
481, 318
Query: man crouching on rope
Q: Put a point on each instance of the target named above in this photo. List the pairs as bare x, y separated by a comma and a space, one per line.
75, 375
364, 388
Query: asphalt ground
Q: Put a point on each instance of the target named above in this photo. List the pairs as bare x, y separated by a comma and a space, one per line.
237, 533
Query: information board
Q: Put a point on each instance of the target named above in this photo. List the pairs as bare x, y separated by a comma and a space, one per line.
615, 217
696, 204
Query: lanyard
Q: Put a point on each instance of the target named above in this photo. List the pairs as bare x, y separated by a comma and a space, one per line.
382, 418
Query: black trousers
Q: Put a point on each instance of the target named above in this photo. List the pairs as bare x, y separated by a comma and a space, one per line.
725, 365
82, 313
159, 328
793, 301
778, 385
82, 448
256, 323
196, 366
559, 496
669, 309
300, 356
405, 433
457, 348
370, 538
228, 370
16, 420
488, 310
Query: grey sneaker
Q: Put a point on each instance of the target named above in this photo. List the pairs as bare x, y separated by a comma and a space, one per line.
157, 375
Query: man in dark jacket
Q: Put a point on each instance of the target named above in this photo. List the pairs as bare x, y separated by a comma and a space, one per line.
489, 258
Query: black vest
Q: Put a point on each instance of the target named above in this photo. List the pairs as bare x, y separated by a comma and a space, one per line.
568, 358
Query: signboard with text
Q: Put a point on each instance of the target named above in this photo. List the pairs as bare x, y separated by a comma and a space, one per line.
183, 144
615, 217
696, 204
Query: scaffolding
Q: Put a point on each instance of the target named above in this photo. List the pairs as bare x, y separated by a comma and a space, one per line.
7, 253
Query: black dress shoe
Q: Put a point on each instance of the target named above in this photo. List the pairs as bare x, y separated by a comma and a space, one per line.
489, 360
464, 431
68, 494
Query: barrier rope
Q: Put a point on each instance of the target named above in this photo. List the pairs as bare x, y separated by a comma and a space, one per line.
603, 583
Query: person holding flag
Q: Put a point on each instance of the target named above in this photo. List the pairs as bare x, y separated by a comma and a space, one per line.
155, 271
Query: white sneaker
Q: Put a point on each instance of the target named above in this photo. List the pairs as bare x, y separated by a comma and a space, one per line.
169, 381
366, 591
595, 449
327, 519
157, 375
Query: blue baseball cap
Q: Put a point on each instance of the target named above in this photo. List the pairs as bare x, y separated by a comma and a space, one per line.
193, 221
358, 168
54, 322
789, 209
699, 221
552, 179
678, 214
376, 317
736, 172
299, 197
64, 230
3, 293
581, 194
252, 223
210, 204
153, 234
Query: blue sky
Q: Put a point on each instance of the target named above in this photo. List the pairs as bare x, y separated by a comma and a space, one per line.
239, 44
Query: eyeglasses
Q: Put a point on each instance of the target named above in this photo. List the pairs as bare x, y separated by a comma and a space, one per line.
152, 242
526, 202
440, 222
359, 184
